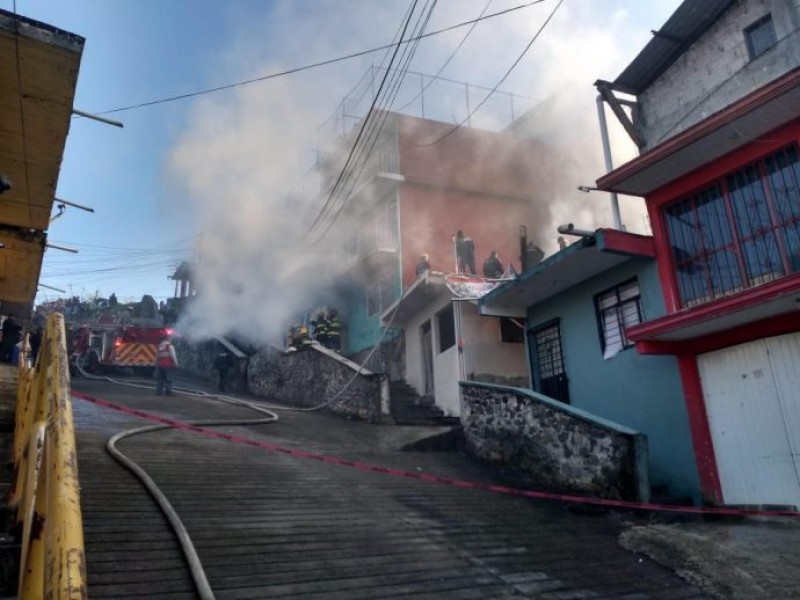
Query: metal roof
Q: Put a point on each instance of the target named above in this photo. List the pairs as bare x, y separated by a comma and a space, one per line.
680, 31
38, 74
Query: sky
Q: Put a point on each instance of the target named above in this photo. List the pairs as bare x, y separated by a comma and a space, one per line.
221, 164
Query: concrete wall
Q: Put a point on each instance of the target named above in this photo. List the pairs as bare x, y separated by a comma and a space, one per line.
716, 70
486, 357
445, 364
638, 391
315, 375
557, 445
389, 357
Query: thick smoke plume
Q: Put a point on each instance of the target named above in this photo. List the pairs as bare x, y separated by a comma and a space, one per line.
239, 168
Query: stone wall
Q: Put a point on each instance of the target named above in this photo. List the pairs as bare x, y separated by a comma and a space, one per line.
557, 445
198, 358
389, 358
314, 375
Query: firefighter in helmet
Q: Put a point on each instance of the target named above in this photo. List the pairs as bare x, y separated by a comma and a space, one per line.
334, 331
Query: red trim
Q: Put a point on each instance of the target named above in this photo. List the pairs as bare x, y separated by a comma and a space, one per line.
740, 108
777, 325
705, 459
725, 306
613, 240
744, 155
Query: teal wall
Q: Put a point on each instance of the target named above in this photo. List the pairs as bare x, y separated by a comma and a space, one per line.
639, 391
364, 331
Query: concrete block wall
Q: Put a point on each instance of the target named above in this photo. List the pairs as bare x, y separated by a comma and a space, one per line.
558, 446
716, 70
314, 375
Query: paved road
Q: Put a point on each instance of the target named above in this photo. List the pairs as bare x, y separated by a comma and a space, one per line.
270, 525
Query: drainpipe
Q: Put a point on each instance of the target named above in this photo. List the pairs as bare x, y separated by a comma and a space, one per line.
601, 115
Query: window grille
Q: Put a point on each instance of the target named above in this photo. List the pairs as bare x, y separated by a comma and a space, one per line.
740, 232
617, 309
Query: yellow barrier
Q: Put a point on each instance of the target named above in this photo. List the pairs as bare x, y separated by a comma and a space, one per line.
46, 492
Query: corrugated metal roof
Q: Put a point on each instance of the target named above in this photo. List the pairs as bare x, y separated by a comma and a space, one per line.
685, 25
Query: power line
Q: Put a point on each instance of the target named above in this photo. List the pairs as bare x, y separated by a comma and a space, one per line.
363, 127
499, 83
376, 123
384, 115
314, 65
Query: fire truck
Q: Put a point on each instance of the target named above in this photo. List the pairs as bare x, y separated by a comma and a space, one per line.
128, 338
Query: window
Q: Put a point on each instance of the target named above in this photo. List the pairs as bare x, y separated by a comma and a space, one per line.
382, 292
511, 331
760, 36
447, 328
740, 232
617, 309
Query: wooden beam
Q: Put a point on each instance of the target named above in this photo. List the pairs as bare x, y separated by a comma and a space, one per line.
604, 87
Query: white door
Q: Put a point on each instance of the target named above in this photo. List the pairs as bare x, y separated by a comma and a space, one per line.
752, 404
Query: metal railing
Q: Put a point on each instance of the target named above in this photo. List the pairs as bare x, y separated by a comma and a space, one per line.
46, 492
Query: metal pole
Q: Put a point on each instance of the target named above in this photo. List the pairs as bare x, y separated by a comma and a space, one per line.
80, 113
601, 115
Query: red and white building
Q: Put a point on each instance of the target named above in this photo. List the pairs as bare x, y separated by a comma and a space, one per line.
717, 120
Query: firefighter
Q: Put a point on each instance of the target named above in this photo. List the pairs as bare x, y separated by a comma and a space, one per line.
300, 337
166, 360
320, 324
334, 331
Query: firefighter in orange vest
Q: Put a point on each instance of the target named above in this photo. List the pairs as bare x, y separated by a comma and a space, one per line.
166, 360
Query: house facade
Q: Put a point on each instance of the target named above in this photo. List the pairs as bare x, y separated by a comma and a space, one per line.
576, 305
717, 117
419, 187
448, 341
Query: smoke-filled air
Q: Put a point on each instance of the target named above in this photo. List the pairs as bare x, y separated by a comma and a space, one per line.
242, 167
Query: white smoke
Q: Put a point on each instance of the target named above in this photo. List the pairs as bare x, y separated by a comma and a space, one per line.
239, 166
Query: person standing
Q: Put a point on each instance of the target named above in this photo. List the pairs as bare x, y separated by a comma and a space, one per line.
166, 360
423, 265
492, 267
334, 331
223, 363
320, 325
465, 252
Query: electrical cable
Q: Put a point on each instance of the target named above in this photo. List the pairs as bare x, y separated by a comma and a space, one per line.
364, 123
312, 65
408, 57
500, 82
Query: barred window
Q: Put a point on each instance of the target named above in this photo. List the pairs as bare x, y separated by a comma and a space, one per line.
740, 232
617, 309
382, 292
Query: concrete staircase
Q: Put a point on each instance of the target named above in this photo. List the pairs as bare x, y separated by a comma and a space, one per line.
409, 408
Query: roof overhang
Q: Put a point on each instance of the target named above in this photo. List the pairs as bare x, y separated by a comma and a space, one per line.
38, 75
429, 287
772, 299
582, 260
681, 30
749, 118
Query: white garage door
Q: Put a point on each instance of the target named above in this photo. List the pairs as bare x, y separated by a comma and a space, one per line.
752, 396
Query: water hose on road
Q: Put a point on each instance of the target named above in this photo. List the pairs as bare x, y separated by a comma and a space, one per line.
184, 540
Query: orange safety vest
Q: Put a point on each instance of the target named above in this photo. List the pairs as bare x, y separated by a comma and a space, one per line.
164, 355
